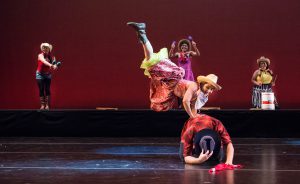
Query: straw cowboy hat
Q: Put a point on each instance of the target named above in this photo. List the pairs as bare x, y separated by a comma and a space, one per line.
186, 41
263, 59
46, 45
211, 79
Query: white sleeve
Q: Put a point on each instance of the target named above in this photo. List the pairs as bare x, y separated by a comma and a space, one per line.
201, 100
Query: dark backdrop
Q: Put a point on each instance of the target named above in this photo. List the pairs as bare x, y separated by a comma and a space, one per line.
101, 55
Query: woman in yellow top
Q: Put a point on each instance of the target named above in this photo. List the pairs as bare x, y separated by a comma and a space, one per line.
263, 81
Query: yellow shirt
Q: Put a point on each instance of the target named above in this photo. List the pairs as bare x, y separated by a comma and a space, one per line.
264, 77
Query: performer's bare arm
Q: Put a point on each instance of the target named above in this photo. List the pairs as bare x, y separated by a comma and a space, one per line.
196, 52
229, 153
198, 160
171, 52
253, 79
43, 60
190, 109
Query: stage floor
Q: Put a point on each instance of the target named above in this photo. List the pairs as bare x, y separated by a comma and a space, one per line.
140, 160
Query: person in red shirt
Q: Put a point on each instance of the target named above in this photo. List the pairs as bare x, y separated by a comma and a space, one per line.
43, 74
203, 139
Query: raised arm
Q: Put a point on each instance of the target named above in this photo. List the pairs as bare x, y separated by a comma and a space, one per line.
270, 71
171, 52
196, 51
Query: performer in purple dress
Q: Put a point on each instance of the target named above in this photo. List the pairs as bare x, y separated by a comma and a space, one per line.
184, 55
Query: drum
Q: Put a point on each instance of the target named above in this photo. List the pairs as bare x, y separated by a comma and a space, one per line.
267, 101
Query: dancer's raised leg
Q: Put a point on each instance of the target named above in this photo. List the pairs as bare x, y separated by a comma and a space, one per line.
140, 29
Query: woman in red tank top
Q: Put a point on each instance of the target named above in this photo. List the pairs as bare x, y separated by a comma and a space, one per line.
43, 74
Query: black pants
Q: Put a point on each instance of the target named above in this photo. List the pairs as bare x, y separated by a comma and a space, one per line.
44, 86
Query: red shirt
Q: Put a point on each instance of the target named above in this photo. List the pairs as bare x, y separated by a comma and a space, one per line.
192, 126
41, 67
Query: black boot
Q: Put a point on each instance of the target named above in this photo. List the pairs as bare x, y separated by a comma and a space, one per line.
140, 29
47, 103
42, 100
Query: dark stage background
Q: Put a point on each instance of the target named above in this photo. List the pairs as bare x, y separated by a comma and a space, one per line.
101, 55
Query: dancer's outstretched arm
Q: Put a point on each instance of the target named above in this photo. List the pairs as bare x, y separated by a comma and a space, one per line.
198, 160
